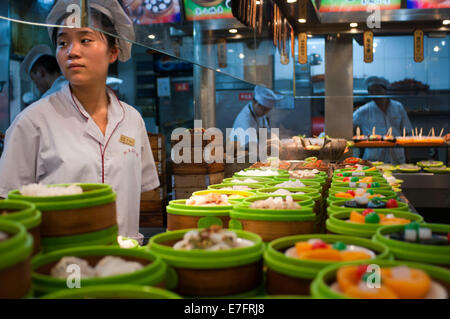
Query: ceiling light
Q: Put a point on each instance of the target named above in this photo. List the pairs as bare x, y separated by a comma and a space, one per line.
443, 43
309, 35
233, 30
353, 25
436, 49
151, 37
241, 55
291, 1
445, 22
302, 20
258, 3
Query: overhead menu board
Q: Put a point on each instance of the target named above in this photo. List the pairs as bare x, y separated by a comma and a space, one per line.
153, 11
427, 4
358, 5
207, 9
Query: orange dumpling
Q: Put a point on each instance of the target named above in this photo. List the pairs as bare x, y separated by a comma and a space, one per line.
354, 255
394, 221
321, 254
371, 293
415, 287
346, 277
357, 217
367, 179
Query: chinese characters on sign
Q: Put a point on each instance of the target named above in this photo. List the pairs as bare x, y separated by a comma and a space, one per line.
418, 46
368, 47
302, 48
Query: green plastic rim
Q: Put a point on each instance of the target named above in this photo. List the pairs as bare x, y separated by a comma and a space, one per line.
383, 185
261, 180
33, 221
434, 170
320, 180
338, 205
303, 200
105, 236
308, 269
89, 191
113, 292
200, 259
180, 204
321, 290
202, 213
415, 252
309, 191
23, 210
337, 223
254, 187
306, 182
388, 194
245, 194
55, 205
152, 274
17, 247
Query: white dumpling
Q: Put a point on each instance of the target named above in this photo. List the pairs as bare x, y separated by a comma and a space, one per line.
60, 270
111, 266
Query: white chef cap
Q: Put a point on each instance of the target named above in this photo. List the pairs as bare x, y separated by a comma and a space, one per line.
35, 53
110, 8
375, 80
266, 97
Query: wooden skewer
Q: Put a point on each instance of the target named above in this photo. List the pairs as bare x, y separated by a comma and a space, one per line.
358, 131
412, 132
404, 132
421, 131
432, 131
442, 131
429, 132
416, 132
373, 130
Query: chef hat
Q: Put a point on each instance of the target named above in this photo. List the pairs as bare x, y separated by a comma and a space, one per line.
375, 80
35, 53
266, 97
110, 8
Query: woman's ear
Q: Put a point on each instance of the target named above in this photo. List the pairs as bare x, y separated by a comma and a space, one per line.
113, 54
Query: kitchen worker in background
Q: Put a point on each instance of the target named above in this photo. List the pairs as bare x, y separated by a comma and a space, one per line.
382, 113
254, 114
41, 67
83, 133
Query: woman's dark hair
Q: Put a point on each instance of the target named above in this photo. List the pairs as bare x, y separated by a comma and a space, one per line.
103, 22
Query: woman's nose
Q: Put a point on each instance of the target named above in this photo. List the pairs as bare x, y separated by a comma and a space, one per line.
73, 50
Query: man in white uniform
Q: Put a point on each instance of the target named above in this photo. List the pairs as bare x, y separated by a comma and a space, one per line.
382, 113
56, 140
254, 114
41, 67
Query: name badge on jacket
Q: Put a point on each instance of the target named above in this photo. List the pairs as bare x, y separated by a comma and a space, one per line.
127, 140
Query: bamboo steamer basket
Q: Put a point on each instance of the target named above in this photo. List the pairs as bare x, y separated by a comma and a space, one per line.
15, 257
121, 291
152, 274
87, 218
337, 223
320, 287
272, 224
26, 214
199, 273
287, 275
416, 252
182, 216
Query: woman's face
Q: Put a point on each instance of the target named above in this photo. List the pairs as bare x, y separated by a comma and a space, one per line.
83, 55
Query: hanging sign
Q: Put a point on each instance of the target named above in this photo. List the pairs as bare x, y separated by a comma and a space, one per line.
222, 52
302, 48
418, 46
368, 46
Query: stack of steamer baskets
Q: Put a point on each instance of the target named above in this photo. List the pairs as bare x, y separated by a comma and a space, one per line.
75, 220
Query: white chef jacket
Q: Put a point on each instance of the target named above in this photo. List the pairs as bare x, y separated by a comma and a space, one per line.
56, 86
370, 115
246, 119
55, 140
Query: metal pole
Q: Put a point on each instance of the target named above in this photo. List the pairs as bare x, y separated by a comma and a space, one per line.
339, 86
84, 14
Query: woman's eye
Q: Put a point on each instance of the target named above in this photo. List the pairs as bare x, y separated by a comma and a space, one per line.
62, 43
85, 40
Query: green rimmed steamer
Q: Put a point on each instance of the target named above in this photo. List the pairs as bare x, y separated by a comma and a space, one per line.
416, 252
199, 273
15, 256
182, 216
272, 224
320, 287
260, 180
26, 214
287, 275
114, 292
152, 274
388, 194
254, 187
281, 173
73, 220
337, 224
338, 206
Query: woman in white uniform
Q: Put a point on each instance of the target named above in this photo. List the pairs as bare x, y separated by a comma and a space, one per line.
83, 133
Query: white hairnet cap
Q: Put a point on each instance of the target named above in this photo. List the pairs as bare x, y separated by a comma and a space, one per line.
266, 97
375, 80
110, 8
35, 53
